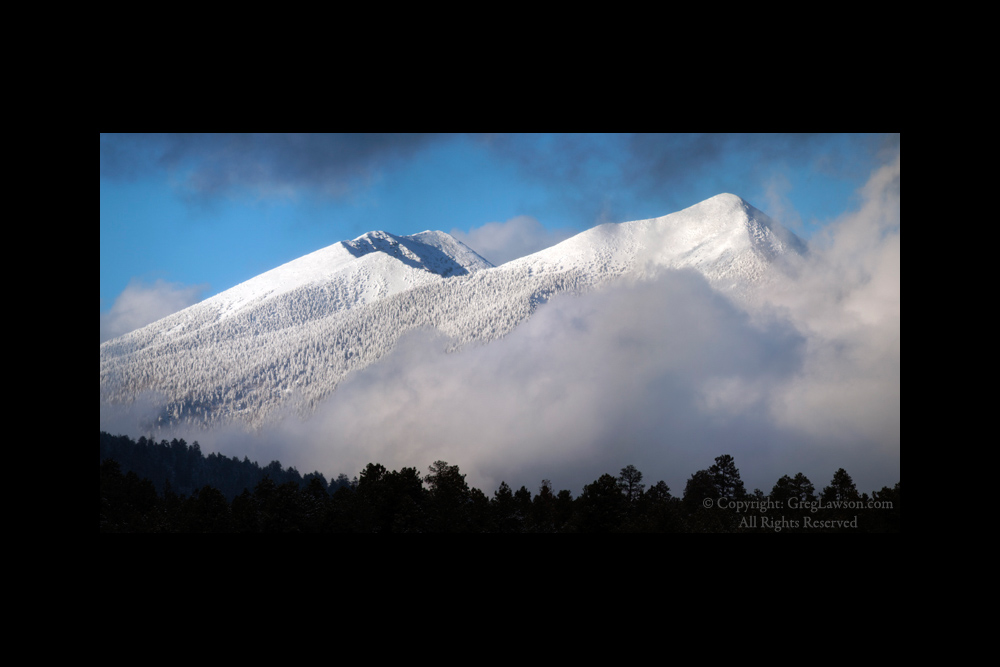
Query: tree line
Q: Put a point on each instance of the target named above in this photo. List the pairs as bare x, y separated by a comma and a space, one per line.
172, 487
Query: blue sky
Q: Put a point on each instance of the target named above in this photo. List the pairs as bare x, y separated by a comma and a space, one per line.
184, 217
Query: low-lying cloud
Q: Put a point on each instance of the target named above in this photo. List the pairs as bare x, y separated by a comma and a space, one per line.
500, 242
586, 386
141, 303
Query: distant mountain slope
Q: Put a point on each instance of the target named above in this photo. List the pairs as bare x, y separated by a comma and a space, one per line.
288, 337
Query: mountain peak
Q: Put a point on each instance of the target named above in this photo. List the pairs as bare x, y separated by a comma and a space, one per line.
728, 197
372, 266
725, 238
434, 251
726, 206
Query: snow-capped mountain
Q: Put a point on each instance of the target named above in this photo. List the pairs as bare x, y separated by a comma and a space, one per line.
370, 267
288, 337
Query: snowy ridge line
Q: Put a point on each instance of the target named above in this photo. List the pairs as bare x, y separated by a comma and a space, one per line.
288, 337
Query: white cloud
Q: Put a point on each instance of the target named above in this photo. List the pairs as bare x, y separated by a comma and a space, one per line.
139, 304
777, 203
846, 302
586, 386
500, 242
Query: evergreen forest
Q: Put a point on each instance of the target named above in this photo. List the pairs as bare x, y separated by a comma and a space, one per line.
171, 487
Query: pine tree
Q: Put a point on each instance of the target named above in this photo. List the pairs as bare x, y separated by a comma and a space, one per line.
841, 488
630, 482
449, 498
726, 477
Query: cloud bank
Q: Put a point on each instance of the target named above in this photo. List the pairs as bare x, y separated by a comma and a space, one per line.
211, 165
601, 177
140, 303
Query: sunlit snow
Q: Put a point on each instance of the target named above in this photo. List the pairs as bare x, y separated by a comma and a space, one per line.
288, 337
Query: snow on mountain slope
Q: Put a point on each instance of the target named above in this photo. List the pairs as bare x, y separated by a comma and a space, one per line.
374, 265
726, 239
288, 337
432, 251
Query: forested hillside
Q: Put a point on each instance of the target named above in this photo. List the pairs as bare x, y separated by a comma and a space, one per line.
253, 365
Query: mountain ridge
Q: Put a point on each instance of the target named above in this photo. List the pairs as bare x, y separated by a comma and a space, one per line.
672, 241
293, 333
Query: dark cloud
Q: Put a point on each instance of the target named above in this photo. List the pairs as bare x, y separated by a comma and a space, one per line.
599, 177
616, 177
265, 164
668, 166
